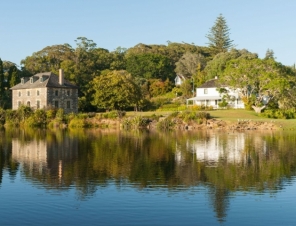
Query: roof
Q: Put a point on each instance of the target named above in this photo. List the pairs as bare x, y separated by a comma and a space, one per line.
42, 80
209, 84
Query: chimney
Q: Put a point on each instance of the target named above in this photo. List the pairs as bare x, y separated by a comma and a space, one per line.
61, 77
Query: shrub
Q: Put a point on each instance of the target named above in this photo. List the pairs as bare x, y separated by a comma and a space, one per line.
165, 124
2, 116
135, 122
77, 122
37, 119
279, 114
188, 116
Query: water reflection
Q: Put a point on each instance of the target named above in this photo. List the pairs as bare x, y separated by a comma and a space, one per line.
88, 159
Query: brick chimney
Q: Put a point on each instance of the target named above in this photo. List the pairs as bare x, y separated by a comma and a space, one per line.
61, 77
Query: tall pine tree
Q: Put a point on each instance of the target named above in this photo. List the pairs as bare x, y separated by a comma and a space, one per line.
218, 36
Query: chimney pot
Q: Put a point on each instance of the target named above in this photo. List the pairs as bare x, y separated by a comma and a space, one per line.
61, 77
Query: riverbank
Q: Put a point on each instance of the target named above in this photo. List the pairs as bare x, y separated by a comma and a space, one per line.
232, 119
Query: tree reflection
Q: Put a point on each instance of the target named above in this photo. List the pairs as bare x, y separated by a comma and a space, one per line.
89, 159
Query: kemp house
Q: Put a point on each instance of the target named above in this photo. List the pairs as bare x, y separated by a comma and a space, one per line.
45, 90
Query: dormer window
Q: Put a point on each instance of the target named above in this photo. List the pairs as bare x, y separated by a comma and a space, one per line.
41, 79
23, 81
31, 80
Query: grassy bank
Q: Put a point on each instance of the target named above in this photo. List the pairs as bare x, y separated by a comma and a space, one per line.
231, 116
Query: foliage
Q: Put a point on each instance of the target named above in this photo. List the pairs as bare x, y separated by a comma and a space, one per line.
1, 78
189, 63
194, 115
158, 87
37, 119
78, 122
218, 36
112, 114
60, 115
269, 54
115, 91
165, 124
150, 66
135, 122
279, 113
216, 67
263, 79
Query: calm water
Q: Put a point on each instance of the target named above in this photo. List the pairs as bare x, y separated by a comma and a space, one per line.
93, 177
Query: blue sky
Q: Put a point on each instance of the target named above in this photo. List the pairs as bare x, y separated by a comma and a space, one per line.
256, 25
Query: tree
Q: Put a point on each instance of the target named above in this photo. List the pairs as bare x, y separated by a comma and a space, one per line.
258, 81
13, 76
218, 36
150, 66
189, 63
269, 54
115, 91
217, 66
1, 79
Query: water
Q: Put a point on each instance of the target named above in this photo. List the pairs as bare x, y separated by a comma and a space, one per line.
101, 177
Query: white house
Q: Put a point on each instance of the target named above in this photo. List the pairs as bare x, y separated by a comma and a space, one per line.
208, 95
179, 79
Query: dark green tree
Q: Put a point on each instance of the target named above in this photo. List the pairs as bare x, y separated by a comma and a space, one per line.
219, 40
13, 76
1, 79
150, 66
115, 91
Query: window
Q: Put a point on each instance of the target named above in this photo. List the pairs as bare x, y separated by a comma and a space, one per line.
38, 104
56, 104
38, 93
22, 80
41, 79
205, 91
31, 80
56, 93
68, 104
19, 93
68, 92
28, 93
28, 104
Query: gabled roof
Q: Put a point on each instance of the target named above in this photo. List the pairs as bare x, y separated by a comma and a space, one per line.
42, 80
182, 77
213, 83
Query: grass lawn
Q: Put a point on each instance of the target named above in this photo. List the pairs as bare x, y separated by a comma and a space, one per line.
230, 116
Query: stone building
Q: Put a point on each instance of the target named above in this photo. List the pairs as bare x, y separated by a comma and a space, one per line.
45, 90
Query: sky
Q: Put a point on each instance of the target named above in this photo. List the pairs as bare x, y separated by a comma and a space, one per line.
256, 25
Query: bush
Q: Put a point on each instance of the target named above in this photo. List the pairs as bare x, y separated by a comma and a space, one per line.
188, 116
38, 119
77, 122
135, 122
11, 118
165, 124
279, 114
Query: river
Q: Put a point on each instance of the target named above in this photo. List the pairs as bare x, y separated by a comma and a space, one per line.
105, 177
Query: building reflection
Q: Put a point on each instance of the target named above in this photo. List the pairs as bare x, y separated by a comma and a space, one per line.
42, 157
215, 147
